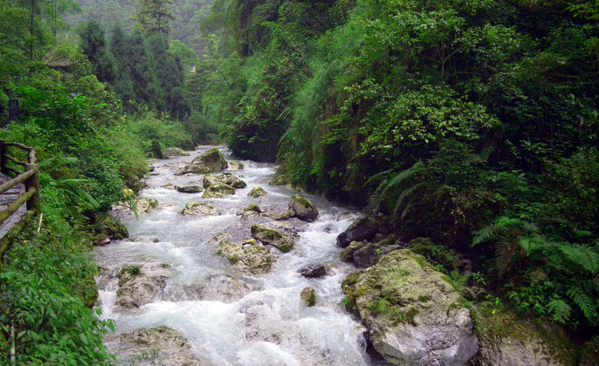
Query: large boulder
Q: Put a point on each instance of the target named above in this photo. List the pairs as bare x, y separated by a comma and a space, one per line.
175, 151
413, 315
506, 339
280, 215
139, 284
257, 192
303, 208
363, 228
155, 346
235, 165
271, 236
218, 191
146, 205
209, 162
313, 271
252, 210
224, 178
251, 260
199, 209
107, 227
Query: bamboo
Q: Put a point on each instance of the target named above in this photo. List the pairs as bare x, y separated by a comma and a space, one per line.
13, 207
19, 179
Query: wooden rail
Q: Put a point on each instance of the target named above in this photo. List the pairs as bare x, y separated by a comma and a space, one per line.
29, 176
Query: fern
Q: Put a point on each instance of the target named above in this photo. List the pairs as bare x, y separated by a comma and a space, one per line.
405, 193
493, 231
392, 183
583, 255
584, 302
560, 311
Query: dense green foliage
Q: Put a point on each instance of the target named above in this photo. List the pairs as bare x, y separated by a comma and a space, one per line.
473, 123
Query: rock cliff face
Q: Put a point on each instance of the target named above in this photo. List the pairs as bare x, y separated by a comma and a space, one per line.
414, 316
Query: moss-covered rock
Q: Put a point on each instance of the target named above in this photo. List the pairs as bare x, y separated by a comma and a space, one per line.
363, 228
199, 208
436, 254
146, 205
280, 215
175, 151
218, 191
140, 284
280, 178
235, 165
224, 178
209, 162
506, 339
272, 236
308, 295
257, 192
189, 189
303, 208
414, 316
364, 254
251, 260
107, 227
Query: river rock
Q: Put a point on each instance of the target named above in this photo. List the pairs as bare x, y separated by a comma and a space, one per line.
189, 189
257, 192
280, 215
313, 271
224, 178
272, 236
175, 151
414, 316
139, 284
210, 161
251, 260
364, 254
363, 228
303, 208
146, 205
308, 295
235, 165
506, 339
218, 191
251, 210
199, 208
155, 346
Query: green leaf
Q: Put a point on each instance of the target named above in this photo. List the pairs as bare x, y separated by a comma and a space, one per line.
583, 255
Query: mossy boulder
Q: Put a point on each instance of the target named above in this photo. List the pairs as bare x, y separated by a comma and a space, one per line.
107, 227
140, 284
281, 215
146, 205
199, 209
250, 211
280, 178
155, 346
257, 192
308, 295
251, 260
175, 151
363, 228
413, 315
271, 236
189, 189
224, 178
313, 270
303, 208
218, 191
208, 162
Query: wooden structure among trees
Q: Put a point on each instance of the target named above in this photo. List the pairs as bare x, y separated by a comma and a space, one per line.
19, 190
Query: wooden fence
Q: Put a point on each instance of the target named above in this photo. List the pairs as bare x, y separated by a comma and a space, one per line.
28, 175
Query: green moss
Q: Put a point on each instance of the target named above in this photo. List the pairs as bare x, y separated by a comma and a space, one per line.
351, 279
424, 299
285, 248
233, 259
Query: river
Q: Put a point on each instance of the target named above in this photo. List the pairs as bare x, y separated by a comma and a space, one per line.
268, 326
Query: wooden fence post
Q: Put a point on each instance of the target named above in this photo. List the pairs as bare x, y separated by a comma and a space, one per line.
3, 153
33, 182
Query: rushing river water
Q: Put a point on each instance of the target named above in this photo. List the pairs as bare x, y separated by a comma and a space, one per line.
270, 325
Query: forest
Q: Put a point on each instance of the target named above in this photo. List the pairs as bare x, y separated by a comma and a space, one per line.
474, 123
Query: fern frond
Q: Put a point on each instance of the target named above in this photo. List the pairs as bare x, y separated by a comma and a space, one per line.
583, 255
559, 310
405, 193
485, 234
393, 182
584, 302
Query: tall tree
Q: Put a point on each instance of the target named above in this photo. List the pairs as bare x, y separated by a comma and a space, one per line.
93, 44
153, 16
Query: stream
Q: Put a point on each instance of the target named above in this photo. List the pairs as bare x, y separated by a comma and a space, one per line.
265, 325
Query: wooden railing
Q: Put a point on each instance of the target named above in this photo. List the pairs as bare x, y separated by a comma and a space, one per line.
29, 176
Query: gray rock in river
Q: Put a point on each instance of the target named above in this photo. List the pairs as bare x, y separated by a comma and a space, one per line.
189, 189
414, 316
303, 208
257, 192
209, 162
146, 205
364, 254
175, 151
271, 236
155, 346
251, 260
313, 270
235, 165
281, 215
199, 209
224, 178
363, 228
218, 191
139, 284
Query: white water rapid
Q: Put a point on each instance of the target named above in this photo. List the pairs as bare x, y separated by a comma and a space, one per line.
269, 325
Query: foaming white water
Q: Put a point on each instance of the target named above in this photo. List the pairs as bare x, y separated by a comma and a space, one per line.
266, 323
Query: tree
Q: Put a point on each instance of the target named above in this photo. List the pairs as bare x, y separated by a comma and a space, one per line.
93, 45
153, 16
